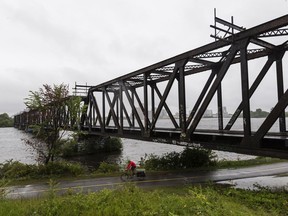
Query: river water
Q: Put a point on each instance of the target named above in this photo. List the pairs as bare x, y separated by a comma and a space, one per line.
13, 147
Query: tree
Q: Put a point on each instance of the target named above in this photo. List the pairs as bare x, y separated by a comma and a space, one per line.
57, 112
5, 120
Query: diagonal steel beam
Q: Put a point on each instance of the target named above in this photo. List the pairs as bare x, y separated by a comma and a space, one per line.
115, 98
234, 49
201, 96
134, 111
269, 121
95, 105
140, 105
112, 109
167, 108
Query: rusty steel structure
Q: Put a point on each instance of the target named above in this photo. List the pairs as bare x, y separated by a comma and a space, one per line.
132, 105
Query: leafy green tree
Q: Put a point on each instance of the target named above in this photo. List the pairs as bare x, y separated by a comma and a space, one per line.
259, 113
5, 120
59, 112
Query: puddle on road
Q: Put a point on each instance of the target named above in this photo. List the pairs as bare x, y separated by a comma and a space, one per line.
272, 182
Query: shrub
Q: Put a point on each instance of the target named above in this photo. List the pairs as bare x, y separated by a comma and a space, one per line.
62, 168
108, 167
188, 158
197, 157
69, 148
17, 170
95, 144
112, 144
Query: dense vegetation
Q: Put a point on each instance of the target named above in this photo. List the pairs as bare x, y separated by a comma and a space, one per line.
128, 199
6, 121
15, 170
259, 113
131, 200
188, 158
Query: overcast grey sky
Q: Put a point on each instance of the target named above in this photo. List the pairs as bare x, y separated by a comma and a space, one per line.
90, 41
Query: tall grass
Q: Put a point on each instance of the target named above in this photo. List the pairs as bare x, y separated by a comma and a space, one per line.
131, 200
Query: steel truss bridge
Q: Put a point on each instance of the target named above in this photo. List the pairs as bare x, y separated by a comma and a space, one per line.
132, 105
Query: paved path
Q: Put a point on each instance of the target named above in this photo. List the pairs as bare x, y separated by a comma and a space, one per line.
96, 184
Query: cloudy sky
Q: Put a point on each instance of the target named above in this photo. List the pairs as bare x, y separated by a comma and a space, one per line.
90, 41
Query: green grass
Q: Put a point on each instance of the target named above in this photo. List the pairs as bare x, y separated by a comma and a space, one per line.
131, 200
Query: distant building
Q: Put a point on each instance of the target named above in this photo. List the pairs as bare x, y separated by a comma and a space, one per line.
163, 114
208, 114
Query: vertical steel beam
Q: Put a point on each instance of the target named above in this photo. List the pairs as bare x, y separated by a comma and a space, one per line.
121, 110
103, 109
133, 104
280, 91
117, 95
152, 99
145, 92
90, 117
220, 106
245, 91
182, 100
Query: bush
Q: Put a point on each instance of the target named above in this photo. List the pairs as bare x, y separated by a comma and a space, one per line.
95, 144
108, 168
112, 144
197, 157
17, 170
61, 168
188, 158
69, 148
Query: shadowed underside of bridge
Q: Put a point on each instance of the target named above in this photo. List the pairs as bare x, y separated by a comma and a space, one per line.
132, 105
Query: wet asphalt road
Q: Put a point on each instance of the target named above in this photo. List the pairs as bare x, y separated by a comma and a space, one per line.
96, 184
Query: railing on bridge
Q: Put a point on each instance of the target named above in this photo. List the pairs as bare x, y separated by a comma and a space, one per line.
132, 105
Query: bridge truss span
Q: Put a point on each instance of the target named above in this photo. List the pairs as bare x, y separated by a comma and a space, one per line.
142, 104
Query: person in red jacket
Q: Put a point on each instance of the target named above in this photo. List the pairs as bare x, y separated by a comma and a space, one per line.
131, 166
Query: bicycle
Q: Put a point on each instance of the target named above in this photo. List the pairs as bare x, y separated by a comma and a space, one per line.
127, 175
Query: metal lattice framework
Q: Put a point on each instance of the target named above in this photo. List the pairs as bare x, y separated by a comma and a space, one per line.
131, 105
